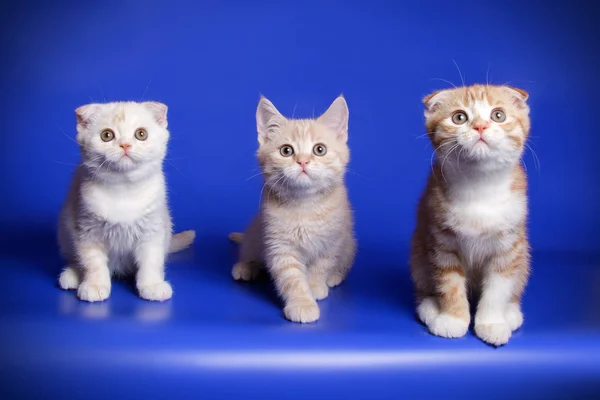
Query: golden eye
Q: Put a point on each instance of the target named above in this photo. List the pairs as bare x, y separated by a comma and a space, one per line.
286, 150
141, 134
319, 150
459, 117
498, 115
107, 135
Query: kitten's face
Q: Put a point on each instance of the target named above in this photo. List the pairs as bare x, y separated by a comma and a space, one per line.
302, 157
485, 125
122, 136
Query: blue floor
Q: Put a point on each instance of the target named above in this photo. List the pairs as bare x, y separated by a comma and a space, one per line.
209, 61
221, 339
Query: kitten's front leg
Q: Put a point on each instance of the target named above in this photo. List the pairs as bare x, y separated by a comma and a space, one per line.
498, 311
446, 311
93, 259
318, 273
150, 279
290, 277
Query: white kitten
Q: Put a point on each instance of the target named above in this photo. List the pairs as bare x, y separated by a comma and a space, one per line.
115, 219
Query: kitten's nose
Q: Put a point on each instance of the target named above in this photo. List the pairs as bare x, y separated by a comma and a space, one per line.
302, 163
480, 125
125, 146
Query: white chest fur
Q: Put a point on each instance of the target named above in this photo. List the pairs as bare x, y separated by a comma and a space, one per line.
123, 203
480, 212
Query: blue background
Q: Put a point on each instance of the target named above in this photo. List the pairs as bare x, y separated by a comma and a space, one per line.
210, 61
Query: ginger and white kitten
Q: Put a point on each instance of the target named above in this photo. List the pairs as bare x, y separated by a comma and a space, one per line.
304, 232
115, 219
471, 229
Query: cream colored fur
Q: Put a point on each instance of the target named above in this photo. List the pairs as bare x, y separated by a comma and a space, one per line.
115, 220
304, 232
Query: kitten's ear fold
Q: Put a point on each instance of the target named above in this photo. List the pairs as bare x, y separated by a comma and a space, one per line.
336, 117
519, 96
86, 114
269, 120
159, 112
434, 100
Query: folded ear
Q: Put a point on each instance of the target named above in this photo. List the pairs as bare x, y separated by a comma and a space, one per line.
434, 101
336, 118
518, 96
159, 112
86, 114
269, 120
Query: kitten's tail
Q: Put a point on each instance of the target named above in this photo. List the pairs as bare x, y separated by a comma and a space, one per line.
181, 241
236, 237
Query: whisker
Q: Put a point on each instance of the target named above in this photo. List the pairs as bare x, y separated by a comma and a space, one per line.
253, 176
64, 163
445, 158
444, 80
462, 79
145, 90
535, 157
173, 165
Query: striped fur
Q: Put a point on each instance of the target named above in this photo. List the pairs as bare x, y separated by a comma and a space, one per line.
303, 233
471, 222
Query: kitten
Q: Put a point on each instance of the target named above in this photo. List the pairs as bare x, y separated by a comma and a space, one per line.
304, 232
471, 228
115, 219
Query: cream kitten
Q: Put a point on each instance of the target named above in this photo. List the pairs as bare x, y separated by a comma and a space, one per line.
304, 232
471, 228
115, 219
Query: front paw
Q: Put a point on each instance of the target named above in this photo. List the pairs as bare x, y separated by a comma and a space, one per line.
319, 290
496, 333
92, 292
69, 278
448, 326
244, 271
157, 292
303, 311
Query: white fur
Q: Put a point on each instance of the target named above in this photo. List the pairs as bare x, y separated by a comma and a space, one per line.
115, 219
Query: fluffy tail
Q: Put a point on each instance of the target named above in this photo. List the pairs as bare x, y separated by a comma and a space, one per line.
182, 241
236, 237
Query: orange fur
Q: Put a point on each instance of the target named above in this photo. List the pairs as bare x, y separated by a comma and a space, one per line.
454, 249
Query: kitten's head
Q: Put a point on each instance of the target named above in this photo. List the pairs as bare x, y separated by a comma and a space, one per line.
482, 125
300, 157
122, 136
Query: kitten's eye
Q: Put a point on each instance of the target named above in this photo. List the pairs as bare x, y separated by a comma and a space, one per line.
286, 150
319, 150
107, 135
459, 117
498, 115
141, 134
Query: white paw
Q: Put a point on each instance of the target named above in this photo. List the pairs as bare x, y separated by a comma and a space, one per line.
447, 326
93, 292
302, 311
335, 279
158, 292
319, 291
496, 333
69, 278
514, 316
428, 310
243, 271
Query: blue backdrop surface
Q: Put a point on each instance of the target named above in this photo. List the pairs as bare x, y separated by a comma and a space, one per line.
210, 61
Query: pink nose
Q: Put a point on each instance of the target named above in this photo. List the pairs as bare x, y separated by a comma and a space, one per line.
481, 126
125, 146
302, 163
